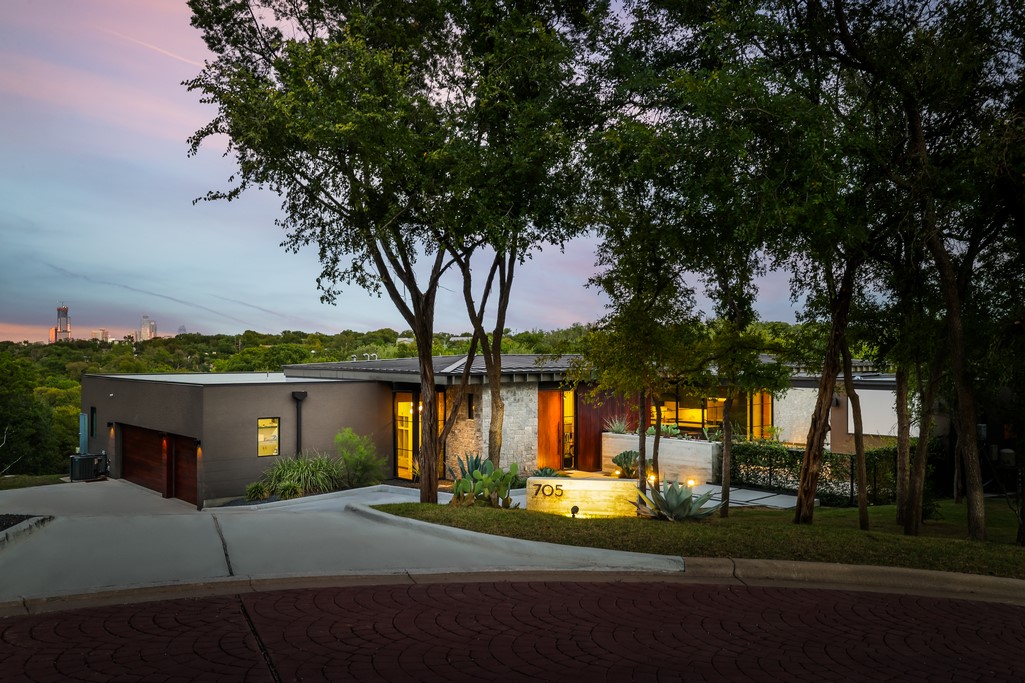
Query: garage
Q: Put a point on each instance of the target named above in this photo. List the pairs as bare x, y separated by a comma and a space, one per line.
165, 463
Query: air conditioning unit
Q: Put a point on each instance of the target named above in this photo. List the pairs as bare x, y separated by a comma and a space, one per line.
85, 467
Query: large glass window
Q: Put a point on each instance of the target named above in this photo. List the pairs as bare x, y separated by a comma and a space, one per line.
268, 436
760, 416
750, 415
568, 431
408, 433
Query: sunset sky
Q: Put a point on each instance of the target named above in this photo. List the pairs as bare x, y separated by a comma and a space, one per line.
96, 193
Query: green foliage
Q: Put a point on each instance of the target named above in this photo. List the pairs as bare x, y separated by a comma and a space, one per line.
548, 472
31, 445
617, 424
677, 503
768, 464
359, 464
468, 464
486, 485
286, 490
627, 464
256, 491
668, 430
307, 475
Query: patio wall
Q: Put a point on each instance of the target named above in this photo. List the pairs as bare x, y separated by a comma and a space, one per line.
678, 459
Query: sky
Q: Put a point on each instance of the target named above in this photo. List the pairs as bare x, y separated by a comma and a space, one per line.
97, 190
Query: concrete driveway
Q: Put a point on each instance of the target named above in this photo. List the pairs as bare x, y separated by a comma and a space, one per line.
113, 535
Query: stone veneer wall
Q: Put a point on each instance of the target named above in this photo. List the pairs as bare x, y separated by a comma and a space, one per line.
466, 436
792, 414
678, 459
519, 430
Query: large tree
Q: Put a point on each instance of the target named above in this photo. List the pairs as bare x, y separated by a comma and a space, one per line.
388, 129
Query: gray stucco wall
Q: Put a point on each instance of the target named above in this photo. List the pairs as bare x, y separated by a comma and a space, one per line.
230, 459
223, 417
172, 408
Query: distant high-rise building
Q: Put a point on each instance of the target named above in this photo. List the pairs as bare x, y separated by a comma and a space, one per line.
101, 334
63, 330
182, 330
147, 329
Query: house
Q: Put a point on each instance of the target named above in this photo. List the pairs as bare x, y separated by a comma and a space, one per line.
204, 437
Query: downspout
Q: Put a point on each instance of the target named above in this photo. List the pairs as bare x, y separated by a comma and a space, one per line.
299, 396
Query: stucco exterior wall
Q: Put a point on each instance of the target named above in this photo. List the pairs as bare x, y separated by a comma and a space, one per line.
172, 408
230, 460
223, 418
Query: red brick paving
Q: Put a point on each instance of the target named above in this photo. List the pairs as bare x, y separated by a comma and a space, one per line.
545, 631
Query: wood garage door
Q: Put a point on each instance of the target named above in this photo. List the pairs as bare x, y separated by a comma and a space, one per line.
164, 463
142, 458
184, 468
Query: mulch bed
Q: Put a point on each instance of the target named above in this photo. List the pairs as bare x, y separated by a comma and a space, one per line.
7, 521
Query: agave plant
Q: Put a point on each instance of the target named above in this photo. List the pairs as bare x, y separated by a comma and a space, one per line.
468, 464
675, 504
617, 424
548, 472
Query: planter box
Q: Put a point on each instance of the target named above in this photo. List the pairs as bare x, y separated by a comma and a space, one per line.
678, 459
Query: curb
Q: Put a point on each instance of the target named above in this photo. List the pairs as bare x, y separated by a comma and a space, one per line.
590, 559
22, 529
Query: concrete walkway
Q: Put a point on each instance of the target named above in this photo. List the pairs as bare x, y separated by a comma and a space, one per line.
328, 589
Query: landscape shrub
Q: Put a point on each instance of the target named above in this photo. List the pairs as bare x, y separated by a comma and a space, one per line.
487, 485
627, 464
359, 464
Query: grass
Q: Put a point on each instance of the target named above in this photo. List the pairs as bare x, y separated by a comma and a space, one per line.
765, 534
24, 481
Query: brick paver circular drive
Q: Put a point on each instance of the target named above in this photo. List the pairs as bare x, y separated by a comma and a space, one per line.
547, 631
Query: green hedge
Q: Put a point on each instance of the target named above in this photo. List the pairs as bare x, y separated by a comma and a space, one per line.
771, 465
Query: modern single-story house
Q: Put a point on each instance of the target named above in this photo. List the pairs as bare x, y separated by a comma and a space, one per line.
204, 437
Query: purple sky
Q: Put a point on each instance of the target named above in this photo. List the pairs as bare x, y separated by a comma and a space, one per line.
96, 195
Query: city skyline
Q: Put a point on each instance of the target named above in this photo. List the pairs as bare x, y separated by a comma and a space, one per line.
98, 195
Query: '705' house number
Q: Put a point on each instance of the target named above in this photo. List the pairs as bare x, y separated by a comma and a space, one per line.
547, 490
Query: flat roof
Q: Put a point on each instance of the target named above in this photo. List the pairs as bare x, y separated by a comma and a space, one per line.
214, 378
528, 367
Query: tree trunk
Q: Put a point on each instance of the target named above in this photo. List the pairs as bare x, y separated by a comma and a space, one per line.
655, 444
642, 463
916, 488
967, 443
430, 444
497, 420
903, 442
727, 440
859, 437
813, 451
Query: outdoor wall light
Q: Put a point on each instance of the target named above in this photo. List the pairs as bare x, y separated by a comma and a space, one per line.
110, 425
198, 443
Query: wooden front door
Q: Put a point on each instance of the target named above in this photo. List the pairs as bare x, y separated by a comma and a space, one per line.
549, 429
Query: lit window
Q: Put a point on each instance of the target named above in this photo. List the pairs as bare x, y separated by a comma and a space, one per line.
268, 436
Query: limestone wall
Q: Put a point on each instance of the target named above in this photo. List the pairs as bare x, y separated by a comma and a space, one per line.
679, 459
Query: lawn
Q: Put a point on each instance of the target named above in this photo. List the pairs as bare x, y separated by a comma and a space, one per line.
765, 534
22, 481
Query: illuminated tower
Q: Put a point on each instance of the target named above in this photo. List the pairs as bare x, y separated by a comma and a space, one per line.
63, 330
147, 328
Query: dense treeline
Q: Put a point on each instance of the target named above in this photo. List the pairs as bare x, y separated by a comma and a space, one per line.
40, 384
